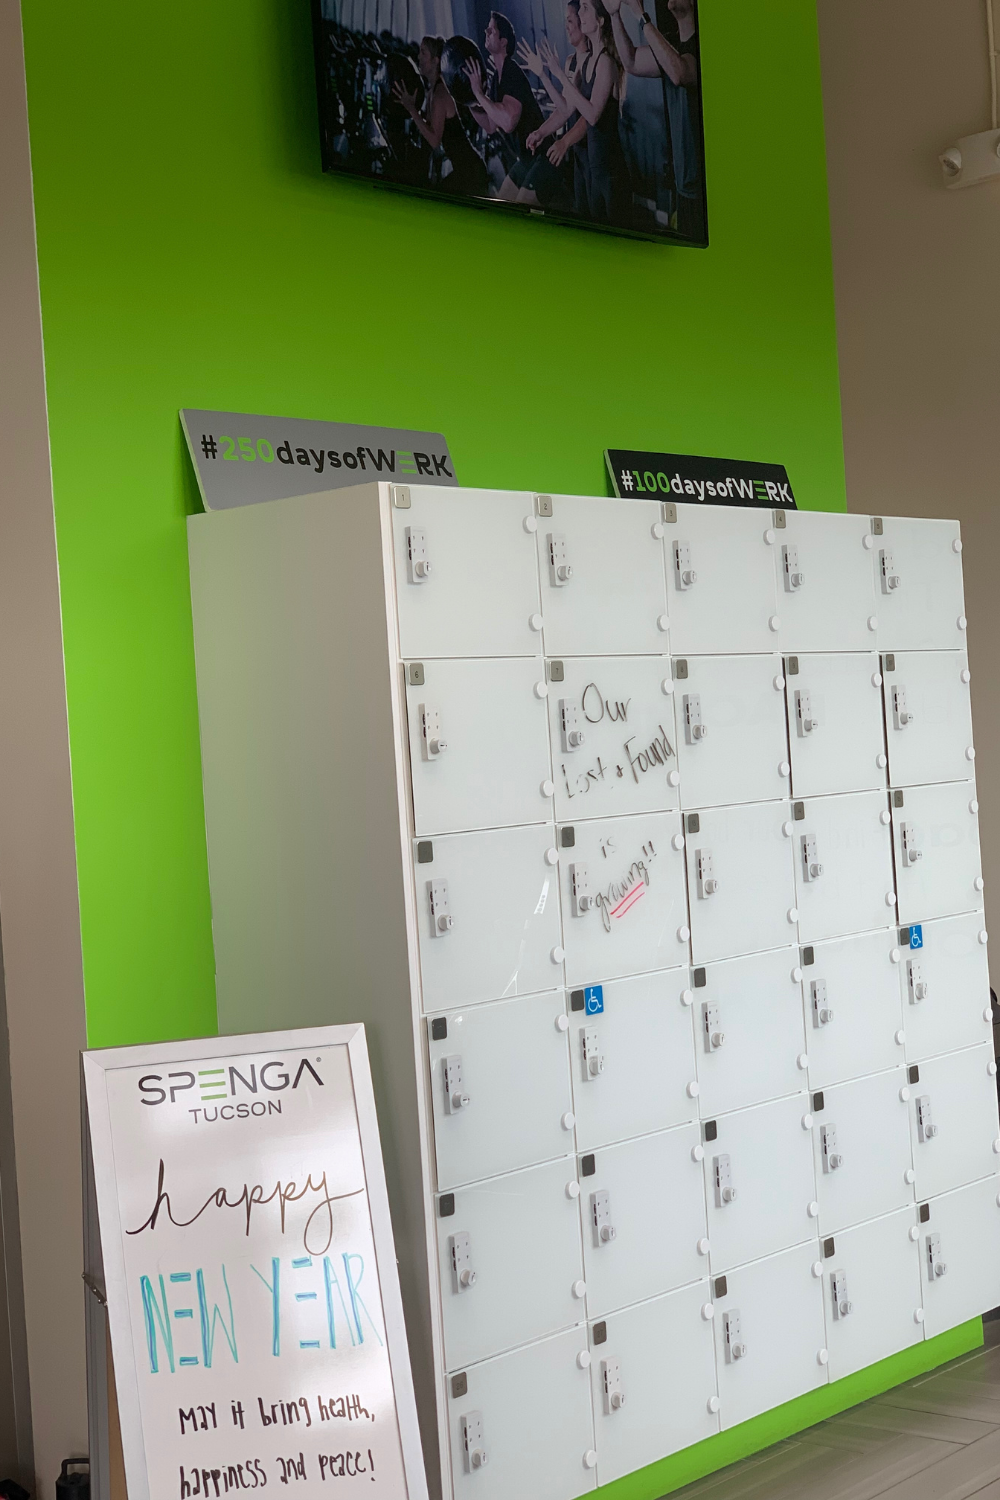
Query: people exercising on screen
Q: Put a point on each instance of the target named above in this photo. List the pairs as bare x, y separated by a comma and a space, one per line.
596, 93
557, 175
438, 121
504, 104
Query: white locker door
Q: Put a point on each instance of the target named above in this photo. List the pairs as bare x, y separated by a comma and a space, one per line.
466, 581
720, 581
871, 1282
919, 594
861, 1142
731, 738
928, 716
612, 601
936, 847
769, 1333
518, 1237
748, 1030
853, 1017
611, 728
632, 1057
479, 745
643, 1210
523, 1424
843, 865
481, 1059
742, 890
823, 580
960, 1255
945, 982
835, 724
953, 1119
652, 1376
623, 898
759, 1181
500, 890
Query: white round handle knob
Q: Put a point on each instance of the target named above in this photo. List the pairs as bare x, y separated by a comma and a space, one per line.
966, 675
693, 1090
774, 623
568, 1120
770, 537
796, 975
890, 898
572, 1190
873, 622
557, 955
894, 955
657, 531
713, 1404
807, 1122
974, 805
552, 856
787, 830
663, 623
822, 1357
868, 541
876, 679
683, 933
703, 1247
687, 997
900, 1038
961, 622
885, 818
579, 1289
708, 1312
677, 842
956, 545
904, 1095
914, 1234
779, 683
909, 1176
583, 1359
535, 622
530, 524
784, 769
548, 788
881, 761
918, 1316
562, 1023
542, 691
590, 1459
802, 1061
813, 1210
793, 914
673, 778
697, 1153
667, 686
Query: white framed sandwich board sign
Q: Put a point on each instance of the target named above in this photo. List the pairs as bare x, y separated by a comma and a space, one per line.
248, 1264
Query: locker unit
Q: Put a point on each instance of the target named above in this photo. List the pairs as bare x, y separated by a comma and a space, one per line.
669, 942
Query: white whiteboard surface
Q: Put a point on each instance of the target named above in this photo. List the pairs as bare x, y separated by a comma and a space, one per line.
256, 1321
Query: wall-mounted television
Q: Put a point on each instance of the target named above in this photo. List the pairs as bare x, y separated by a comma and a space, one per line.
584, 111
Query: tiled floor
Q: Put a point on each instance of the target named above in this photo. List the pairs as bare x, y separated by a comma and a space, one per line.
935, 1438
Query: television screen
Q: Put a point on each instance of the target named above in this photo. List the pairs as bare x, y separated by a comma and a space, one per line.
585, 111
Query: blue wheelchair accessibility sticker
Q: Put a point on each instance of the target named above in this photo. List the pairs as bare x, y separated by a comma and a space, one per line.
917, 936
593, 1000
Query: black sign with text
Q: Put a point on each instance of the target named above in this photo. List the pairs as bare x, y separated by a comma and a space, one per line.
707, 481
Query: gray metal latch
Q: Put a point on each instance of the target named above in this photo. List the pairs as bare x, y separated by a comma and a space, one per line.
694, 729
611, 1378
723, 1172
793, 578
593, 1062
916, 983
926, 1129
418, 564
455, 1097
432, 746
442, 920
472, 1442
707, 883
686, 576
600, 1218
569, 725
887, 571
733, 1333
811, 867
560, 569
842, 1304
463, 1276
901, 715
832, 1159
822, 1013
935, 1265
805, 719
712, 1031
579, 881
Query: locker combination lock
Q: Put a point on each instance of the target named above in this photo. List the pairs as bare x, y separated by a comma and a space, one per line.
583, 901
842, 1304
711, 1029
805, 720
915, 981
822, 1013
463, 1276
733, 1334
707, 883
901, 715
442, 920
723, 1171
611, 1378
593, 1062
794, 579
472, 1442
455, 1097
935, 1265
908, 835
418, 564
600, 1218
569, 725
887, 571
686, 575
432, 746
926, 1129
811, 867
560, 569
694, 729
832, 1159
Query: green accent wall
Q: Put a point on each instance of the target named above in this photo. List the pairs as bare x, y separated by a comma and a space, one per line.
192, 254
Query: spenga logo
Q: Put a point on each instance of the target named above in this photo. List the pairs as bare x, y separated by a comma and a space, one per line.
229, 1090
